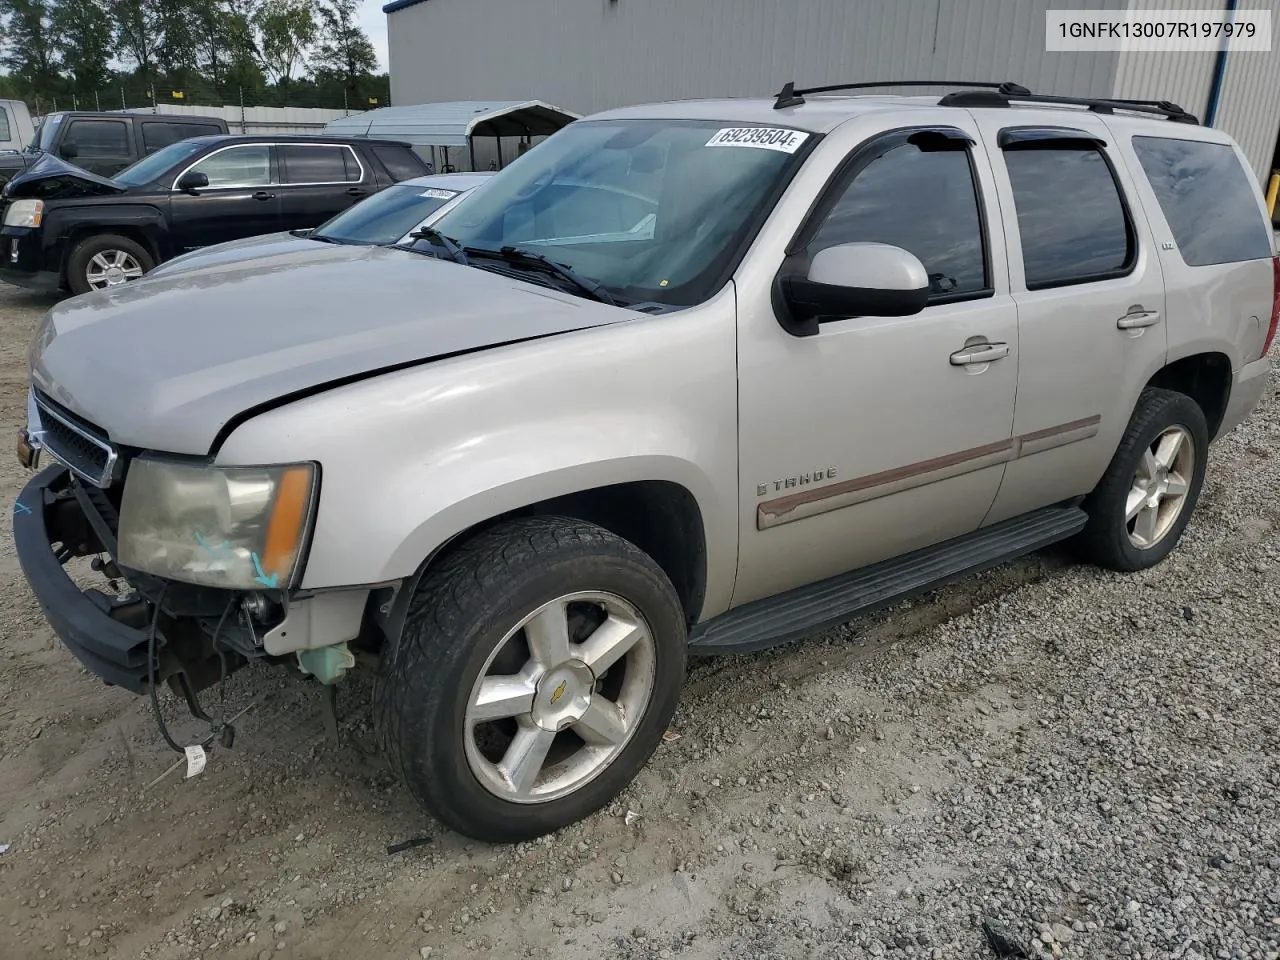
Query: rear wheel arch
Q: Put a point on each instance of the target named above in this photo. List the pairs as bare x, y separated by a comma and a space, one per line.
1205, 378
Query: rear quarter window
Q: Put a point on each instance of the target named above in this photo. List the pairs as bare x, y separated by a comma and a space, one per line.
1207, 198
401, 162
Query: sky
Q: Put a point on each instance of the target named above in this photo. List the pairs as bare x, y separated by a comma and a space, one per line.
374, 22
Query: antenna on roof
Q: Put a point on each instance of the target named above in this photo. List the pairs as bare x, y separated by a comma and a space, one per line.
787, 97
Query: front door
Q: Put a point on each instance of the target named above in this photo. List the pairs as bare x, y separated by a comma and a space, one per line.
874, 436
319, 181
241, 200
103, 147
1091, 303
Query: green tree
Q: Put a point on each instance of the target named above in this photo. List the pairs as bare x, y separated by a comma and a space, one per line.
137, 33
176, 41
28, 52
83, 38
287, 29
244, 56
345, 50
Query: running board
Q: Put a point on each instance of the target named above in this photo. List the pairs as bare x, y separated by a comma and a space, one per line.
800, 612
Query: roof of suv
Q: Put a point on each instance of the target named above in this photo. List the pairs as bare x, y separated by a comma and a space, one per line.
822, 114
293, 138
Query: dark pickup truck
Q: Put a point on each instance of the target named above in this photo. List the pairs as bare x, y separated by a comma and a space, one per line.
66, 228
106, 143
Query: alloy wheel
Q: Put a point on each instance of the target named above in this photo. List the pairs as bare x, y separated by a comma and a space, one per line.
1160, 485
559, 697
111, 268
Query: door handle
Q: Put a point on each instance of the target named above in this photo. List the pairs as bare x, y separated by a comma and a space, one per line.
1137, 317
356, 192
263, 195
979, 353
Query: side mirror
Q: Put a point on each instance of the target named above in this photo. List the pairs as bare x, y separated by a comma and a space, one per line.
852, 280
69, 150
193, 180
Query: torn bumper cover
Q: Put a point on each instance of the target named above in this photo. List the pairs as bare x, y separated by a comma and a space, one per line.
109, 635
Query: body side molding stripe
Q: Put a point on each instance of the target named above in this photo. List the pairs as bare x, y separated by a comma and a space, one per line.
847, 493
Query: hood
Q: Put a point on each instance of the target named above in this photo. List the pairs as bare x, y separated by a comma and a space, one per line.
52, 178
165, 363
236, 251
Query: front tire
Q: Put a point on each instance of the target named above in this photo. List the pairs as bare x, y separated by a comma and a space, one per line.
537, 669
106, 260
1145, 499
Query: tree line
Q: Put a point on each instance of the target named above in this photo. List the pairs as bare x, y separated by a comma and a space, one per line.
97, 53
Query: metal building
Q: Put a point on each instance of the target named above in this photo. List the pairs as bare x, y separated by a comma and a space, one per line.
590, 55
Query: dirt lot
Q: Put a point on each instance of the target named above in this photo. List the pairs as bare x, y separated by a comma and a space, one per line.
1091, 762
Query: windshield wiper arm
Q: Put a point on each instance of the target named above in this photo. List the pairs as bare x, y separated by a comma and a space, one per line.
432, 235
536, 261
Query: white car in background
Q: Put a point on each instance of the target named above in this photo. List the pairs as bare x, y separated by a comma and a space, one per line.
387, 218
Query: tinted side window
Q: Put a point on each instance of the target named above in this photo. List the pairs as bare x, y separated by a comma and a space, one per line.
157, 134
924, 201
304, 163
401, 163
4, 124
98, 138
244, 166
1072, 222
1207, 200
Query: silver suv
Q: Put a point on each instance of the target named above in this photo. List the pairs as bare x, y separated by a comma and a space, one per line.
697, 377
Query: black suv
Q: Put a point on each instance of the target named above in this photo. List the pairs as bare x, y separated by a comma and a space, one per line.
67, 228
106, 143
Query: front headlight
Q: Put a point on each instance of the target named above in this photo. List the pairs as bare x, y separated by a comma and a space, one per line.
24, 213
241, 528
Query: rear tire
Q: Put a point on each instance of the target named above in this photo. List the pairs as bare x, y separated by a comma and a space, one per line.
106, 260
547, 604
1142, 504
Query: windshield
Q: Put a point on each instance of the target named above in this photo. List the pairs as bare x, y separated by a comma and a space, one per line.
386, 217
148, 168
654, 210
45, 131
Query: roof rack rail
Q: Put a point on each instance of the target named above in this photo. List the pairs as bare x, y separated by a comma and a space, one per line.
789, 96
1003, 98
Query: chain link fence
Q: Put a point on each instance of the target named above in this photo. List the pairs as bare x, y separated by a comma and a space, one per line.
365, 94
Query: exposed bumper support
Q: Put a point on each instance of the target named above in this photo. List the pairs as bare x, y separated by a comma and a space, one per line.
108, 636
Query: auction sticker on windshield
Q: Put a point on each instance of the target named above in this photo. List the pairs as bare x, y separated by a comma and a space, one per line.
434, 194
762, 138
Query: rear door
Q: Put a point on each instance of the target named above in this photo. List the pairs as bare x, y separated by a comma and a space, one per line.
103, 147
1086, 279
241, 200
318, 181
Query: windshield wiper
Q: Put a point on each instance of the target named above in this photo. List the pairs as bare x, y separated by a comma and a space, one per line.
431, 235
536, 261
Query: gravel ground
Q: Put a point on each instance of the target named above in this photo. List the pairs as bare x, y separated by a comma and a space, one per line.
1086, 763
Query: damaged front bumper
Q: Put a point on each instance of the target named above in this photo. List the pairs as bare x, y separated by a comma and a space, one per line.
109, 635
154, 630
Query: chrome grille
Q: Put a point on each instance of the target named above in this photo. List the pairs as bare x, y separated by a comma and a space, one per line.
84, 451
